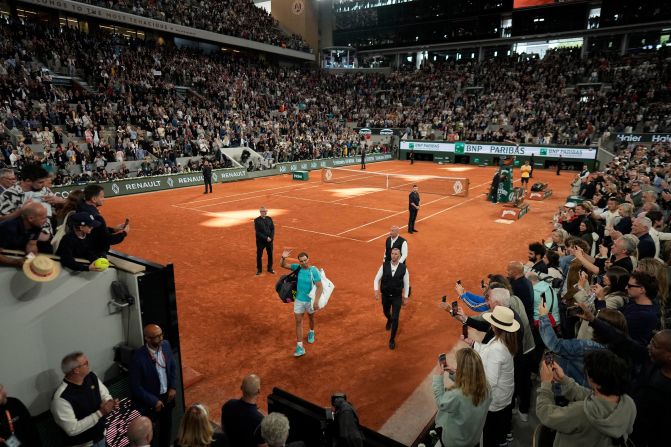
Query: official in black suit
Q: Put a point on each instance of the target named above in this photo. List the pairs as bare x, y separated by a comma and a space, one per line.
413, 208
207, 176
153, 383
363, 157
392, 283
265, 235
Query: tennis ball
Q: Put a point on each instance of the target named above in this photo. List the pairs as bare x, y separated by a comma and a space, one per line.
101, 263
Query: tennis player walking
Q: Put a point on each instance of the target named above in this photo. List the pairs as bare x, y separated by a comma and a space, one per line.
307, 277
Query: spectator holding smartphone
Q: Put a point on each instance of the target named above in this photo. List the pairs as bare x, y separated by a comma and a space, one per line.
603, 415
462, 407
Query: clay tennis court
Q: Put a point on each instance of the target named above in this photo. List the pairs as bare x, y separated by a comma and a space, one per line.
232, 322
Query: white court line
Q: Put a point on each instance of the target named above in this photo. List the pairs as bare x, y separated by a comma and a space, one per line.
387, 217
246, 198
340, 204
296, 188
442, 211
260, 190
323, 234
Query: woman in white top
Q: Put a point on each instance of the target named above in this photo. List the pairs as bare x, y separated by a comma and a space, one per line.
497, 359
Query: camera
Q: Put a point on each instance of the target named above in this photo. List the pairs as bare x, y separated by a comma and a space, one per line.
454, 309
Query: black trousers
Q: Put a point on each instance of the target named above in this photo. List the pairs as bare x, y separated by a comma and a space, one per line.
162, 423
268, 247
207, 181
497, 426
391, 306
523, 381
413, 217
363, 163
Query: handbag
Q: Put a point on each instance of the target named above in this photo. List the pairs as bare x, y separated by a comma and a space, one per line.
327, 289
286, 286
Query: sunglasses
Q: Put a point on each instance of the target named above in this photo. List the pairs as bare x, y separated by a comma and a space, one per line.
633, 285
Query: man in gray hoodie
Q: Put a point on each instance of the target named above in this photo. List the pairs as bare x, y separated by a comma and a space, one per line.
601, 416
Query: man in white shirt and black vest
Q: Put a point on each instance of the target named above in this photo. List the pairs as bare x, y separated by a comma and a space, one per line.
395, 241
392, 282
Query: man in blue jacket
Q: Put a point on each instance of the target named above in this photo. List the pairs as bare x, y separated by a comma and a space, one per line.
153, 382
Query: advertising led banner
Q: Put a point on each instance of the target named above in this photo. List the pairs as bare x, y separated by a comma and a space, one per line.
383, 131
463, 148
159, 25
643, 138
138, 185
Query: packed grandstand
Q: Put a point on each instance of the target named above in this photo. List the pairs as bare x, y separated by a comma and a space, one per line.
78, 106
170, 102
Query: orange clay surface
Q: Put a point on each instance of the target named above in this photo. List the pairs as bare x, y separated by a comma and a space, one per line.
232, 323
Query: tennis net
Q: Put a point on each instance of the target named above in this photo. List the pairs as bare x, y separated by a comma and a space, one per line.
429, 184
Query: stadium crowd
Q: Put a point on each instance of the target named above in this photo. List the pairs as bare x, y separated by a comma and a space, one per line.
582, 315
587, 317
238, 18
134, 109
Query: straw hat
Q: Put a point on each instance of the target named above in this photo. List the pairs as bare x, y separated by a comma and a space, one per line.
503, 318
41, 268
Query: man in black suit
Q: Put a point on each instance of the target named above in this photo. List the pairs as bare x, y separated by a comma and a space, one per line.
153, 382
363, 157
413, 208
646, 245
265, 235
392, 283
207, 176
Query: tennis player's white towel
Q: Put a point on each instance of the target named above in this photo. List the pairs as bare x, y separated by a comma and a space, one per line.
327, 286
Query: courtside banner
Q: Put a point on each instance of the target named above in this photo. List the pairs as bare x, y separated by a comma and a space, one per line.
138, 185
461, 148
308, 165
643, 137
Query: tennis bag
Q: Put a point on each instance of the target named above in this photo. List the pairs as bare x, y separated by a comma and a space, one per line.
286, 286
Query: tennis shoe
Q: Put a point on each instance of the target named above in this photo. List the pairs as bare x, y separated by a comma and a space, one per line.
300, 351
311, 336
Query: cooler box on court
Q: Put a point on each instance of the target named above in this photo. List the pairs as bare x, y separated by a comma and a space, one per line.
301, 175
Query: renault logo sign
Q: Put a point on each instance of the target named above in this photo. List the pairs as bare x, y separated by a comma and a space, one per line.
115, 188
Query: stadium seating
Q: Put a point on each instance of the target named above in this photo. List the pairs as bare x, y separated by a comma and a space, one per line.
238, 18
163, 102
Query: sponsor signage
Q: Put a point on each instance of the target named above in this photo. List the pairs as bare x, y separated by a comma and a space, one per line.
138, 185
158, 25
643, 137
465, 148
384, 131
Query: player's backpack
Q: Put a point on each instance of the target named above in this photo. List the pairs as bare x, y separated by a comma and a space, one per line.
537, 186
286, 286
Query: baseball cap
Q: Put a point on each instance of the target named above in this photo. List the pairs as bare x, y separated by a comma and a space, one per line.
84, 219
